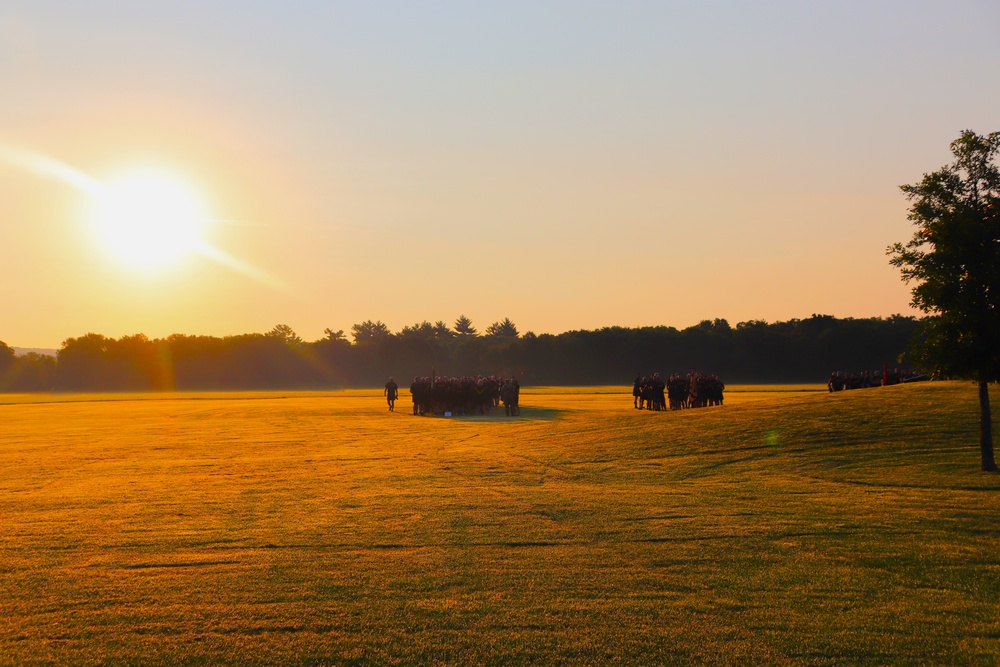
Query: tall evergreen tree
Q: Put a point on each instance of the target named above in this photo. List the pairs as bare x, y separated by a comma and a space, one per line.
463, 326
504, 329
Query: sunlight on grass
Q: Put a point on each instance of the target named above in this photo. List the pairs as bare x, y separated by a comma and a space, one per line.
789, 526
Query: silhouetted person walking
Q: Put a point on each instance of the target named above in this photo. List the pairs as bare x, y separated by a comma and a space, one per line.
391, 392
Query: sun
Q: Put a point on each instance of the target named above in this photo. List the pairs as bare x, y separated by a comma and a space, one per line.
149, 219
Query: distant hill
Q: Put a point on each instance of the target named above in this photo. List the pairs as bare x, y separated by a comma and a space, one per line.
21, 351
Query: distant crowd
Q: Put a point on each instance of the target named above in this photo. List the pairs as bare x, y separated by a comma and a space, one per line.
841, 381
441, 395
694, 390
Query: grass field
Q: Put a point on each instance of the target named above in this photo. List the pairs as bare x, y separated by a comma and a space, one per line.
789, 527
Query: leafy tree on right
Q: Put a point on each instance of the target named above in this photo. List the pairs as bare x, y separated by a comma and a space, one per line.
954, 259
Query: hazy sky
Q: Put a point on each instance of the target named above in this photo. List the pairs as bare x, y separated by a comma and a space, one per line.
565, 164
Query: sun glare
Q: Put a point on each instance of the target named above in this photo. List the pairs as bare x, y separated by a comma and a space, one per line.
149, 219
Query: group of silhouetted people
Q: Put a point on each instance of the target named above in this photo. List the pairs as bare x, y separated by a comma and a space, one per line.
695, 390
648, 392
842, 381
442, 395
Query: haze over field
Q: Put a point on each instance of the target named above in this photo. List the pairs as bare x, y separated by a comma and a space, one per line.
216, 169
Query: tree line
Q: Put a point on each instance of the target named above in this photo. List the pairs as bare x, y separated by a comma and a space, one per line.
798, 350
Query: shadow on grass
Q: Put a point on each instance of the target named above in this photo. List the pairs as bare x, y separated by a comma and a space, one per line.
157, 566
497, 415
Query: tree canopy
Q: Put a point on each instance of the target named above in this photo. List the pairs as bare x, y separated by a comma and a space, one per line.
369, 332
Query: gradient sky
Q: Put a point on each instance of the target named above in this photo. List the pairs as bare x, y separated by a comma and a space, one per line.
565, 164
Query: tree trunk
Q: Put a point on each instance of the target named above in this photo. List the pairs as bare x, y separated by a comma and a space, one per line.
986, 428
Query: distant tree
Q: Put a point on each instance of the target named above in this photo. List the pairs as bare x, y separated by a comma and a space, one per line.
331, 358
7, 358
134, 365
463, 326
332, 335
31, 372
442, 332
954, 258
284, 333
370, 332
504, 329
83, 363
419, 331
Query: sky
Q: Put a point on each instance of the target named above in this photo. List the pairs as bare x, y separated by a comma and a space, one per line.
569, 165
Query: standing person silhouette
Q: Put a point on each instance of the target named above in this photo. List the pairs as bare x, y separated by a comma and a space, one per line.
507, 397
391, 392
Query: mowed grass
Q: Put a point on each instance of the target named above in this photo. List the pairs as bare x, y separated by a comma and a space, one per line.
790, 526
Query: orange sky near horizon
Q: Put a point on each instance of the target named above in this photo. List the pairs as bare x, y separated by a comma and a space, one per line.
570, 166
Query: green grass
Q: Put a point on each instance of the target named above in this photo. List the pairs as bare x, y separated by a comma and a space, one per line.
791, 526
